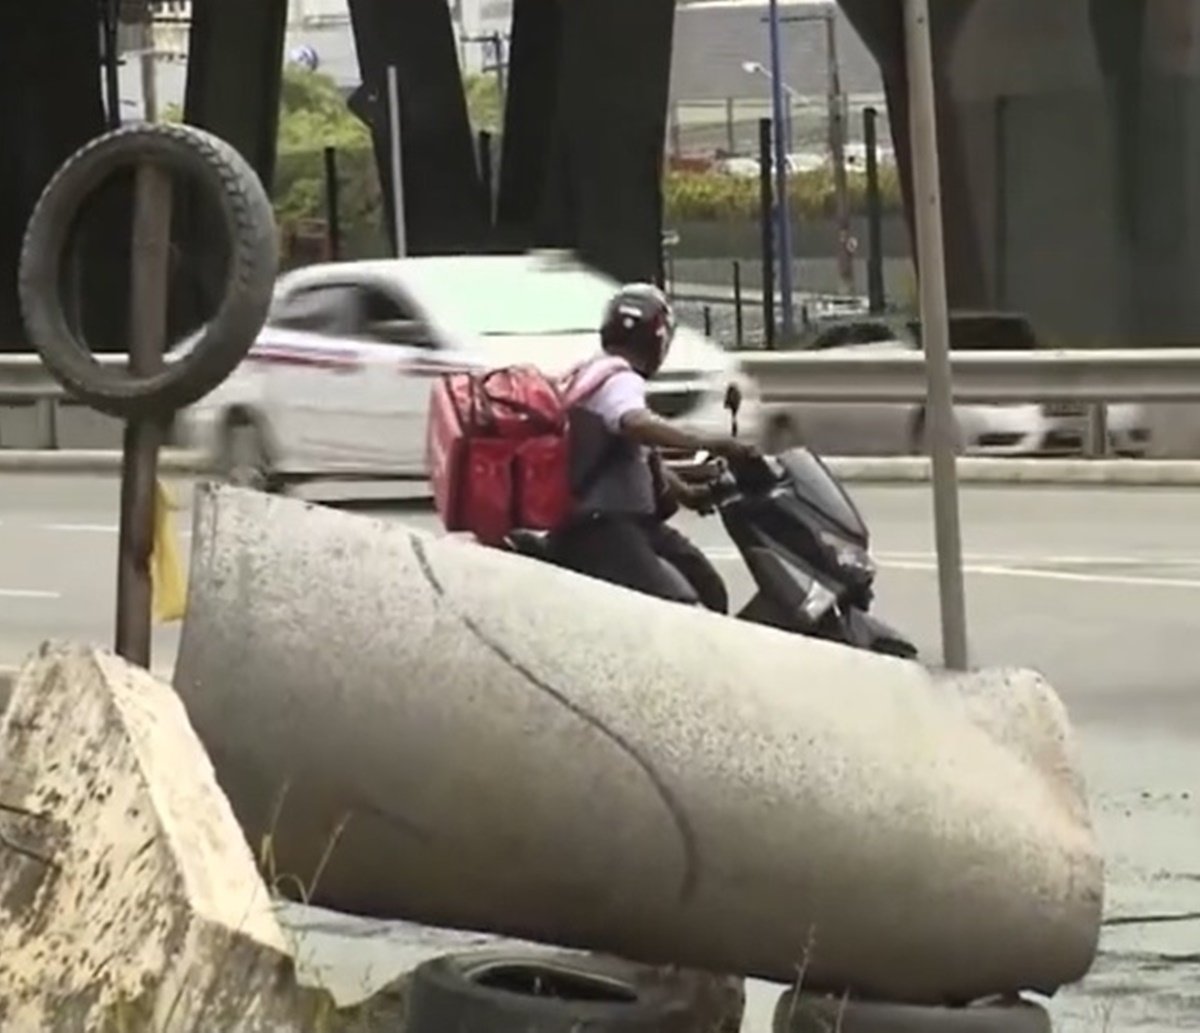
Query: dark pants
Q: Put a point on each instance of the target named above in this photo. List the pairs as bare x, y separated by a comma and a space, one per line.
629, 551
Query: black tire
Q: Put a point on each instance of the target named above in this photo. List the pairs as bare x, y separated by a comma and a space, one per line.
249, 224
515, 991
811, 1013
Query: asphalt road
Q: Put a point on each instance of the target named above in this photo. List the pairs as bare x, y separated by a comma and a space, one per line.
1096, 588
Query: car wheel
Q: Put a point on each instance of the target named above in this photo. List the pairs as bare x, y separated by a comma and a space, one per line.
245, 460
538, 991
811, 1013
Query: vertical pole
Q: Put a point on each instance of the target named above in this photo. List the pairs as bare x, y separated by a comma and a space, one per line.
143, 437
332, 209
393, 81
935, 330
1000, 173
730, 126
112, 82
486, 175
781, 178
739, 324
875, 290
766, 206
498, 49
676, 132
837, 155
708, 321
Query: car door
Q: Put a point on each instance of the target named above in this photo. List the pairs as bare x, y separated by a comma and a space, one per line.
312, 372
404, 354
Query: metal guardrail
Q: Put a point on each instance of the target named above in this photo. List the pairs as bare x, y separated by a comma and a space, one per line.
1128, 375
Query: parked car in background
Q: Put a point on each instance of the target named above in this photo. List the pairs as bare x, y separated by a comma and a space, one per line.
988, 430
338, 383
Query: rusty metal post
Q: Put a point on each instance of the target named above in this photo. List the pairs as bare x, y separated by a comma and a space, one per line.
143, 437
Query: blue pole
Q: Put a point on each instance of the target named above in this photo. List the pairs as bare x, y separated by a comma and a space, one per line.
784, 221
781, 177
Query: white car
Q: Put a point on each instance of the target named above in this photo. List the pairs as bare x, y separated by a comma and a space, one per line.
984, 430
338, 383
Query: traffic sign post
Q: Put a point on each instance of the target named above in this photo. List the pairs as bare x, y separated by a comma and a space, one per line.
935, 330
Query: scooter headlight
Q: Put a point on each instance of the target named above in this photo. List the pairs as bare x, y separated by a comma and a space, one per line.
820, 600
849, 556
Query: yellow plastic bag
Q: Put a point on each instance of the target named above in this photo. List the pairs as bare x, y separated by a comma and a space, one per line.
166, 566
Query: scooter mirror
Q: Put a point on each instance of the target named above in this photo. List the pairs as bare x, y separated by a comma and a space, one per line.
733, 399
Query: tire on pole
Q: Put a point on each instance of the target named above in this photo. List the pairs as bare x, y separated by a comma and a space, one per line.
208, 357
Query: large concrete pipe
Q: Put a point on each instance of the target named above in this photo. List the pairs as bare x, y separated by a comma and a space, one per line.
525, 751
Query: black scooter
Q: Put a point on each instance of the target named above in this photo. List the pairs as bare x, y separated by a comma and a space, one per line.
802, 538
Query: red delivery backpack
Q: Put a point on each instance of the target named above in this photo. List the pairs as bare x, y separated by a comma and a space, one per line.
498, 446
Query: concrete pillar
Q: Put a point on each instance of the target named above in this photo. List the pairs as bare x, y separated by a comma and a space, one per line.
130, 897
512, 748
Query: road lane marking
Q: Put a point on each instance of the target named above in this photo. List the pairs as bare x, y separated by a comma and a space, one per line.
991, 570
728, 555
27, 593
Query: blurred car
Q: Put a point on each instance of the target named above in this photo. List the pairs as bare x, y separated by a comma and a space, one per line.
338, 382
985, 430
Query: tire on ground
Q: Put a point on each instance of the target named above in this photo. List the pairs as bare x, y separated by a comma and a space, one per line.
248, 222
812, 1013
532, 991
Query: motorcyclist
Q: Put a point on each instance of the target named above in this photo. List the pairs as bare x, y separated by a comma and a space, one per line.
625, 493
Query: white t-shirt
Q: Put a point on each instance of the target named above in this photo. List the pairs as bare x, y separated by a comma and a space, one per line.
624, 392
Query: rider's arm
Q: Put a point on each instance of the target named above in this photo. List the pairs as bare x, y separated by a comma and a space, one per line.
645, 428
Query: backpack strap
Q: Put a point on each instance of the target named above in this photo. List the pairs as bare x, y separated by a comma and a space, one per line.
588, 377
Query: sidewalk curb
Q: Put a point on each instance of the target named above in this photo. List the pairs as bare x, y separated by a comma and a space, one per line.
1046, 472
84, 461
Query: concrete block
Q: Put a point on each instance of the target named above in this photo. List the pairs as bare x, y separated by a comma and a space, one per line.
129, 898
513, 748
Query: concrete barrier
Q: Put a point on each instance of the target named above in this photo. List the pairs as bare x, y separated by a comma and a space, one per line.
512, 748
130, 897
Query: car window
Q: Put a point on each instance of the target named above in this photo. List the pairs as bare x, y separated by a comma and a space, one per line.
326, 309
844, 334
986, 333
387, 318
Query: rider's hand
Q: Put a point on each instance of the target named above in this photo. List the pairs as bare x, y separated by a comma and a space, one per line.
732, 448
697, 498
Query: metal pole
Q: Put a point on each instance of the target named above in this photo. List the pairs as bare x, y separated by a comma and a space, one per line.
486, 174
730, 126
875, 289
498, 47
781, 178
393, 81
708, 321
143, 437
837, 155
935, 330
332, 209
766, 202
739, 324
112, 82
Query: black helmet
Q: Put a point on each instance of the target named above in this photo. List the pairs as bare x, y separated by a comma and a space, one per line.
640, 323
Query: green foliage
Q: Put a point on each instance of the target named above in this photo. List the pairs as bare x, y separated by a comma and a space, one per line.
483, 101
709, 196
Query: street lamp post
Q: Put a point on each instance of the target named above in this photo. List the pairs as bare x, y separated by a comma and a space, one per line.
756, 68
781, 179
